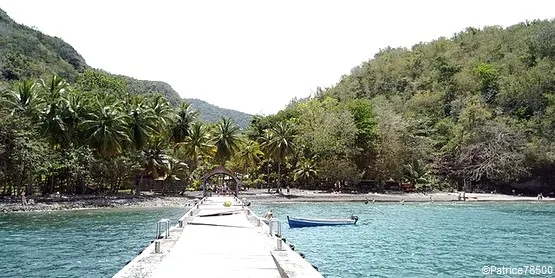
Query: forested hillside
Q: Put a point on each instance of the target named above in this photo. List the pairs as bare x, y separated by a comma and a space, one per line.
474, 111
212, 113
477, 109
26, 53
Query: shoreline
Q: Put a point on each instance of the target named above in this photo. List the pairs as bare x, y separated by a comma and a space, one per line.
256, 196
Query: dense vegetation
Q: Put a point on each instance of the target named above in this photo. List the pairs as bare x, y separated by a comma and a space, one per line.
211, 113
96, 136
475, 110
26, 53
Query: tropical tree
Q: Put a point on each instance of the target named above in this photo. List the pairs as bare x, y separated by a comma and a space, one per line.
162, 111
184, 117
305, 171
23, 99
197, 145
226, 139
105, 130
249, 154
142, 123
175, 169
51, 123
280, 143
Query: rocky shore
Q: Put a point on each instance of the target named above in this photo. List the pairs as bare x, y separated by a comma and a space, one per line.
12, 204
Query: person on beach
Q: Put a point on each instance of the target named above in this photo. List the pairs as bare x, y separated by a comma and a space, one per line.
23, 199
269, 215
366, 200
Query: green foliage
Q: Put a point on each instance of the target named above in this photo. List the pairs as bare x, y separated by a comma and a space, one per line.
476, 108
27, 53
211, 113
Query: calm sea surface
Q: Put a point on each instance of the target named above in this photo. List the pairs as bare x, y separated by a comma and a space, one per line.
390, 240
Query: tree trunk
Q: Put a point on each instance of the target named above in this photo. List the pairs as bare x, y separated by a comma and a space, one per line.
279, 178
138, 188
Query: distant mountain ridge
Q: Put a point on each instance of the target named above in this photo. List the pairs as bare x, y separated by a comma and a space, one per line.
213, 113
28, 53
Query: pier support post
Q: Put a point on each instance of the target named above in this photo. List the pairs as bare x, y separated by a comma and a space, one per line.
156, 246
279, 244
275, 227
180, 223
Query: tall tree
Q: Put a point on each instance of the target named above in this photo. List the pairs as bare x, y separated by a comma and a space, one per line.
105, 130
197, 144
280, 144
142, 123
185, 115
226, 139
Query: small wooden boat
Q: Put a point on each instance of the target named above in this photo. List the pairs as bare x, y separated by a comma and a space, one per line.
295, 222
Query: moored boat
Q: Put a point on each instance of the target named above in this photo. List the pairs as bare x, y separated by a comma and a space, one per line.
296, 222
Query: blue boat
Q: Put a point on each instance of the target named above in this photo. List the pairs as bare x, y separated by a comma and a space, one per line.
295, 222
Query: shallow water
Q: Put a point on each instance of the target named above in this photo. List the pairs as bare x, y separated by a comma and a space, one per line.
390, 240
423, 239
82, 243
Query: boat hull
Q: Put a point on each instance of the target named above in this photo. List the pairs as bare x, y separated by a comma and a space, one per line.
304, 222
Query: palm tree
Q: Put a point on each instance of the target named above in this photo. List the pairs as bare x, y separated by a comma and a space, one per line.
162, 111
226, 140
197, 144
306, 171
73, 113
279, 144
24, 99
249, 154
105, 130
174, 169
142, 123
184, 117
51, 123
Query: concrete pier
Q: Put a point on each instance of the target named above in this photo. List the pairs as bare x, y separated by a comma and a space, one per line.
219, 241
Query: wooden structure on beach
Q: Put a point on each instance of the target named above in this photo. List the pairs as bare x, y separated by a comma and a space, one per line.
219, 237
221, 170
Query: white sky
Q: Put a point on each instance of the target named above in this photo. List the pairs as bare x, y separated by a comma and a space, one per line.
254, 56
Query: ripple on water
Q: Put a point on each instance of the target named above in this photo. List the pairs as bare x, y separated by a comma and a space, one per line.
390, 240
94, 243
422, 239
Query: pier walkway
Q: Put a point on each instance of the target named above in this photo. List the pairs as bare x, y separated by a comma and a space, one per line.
213, 240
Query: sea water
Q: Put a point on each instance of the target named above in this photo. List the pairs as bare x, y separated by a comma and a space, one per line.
425, 239
81, 243
390, 240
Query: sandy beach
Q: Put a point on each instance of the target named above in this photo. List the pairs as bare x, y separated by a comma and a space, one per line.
296, 195
254, 196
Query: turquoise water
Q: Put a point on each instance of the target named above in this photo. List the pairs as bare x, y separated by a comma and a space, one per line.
391, 240
84, 243
424, 239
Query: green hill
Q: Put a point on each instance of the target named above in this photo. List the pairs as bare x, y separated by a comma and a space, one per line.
476, 110
212, 113
27, 53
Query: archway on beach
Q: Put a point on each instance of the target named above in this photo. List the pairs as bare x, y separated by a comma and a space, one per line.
220, 170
